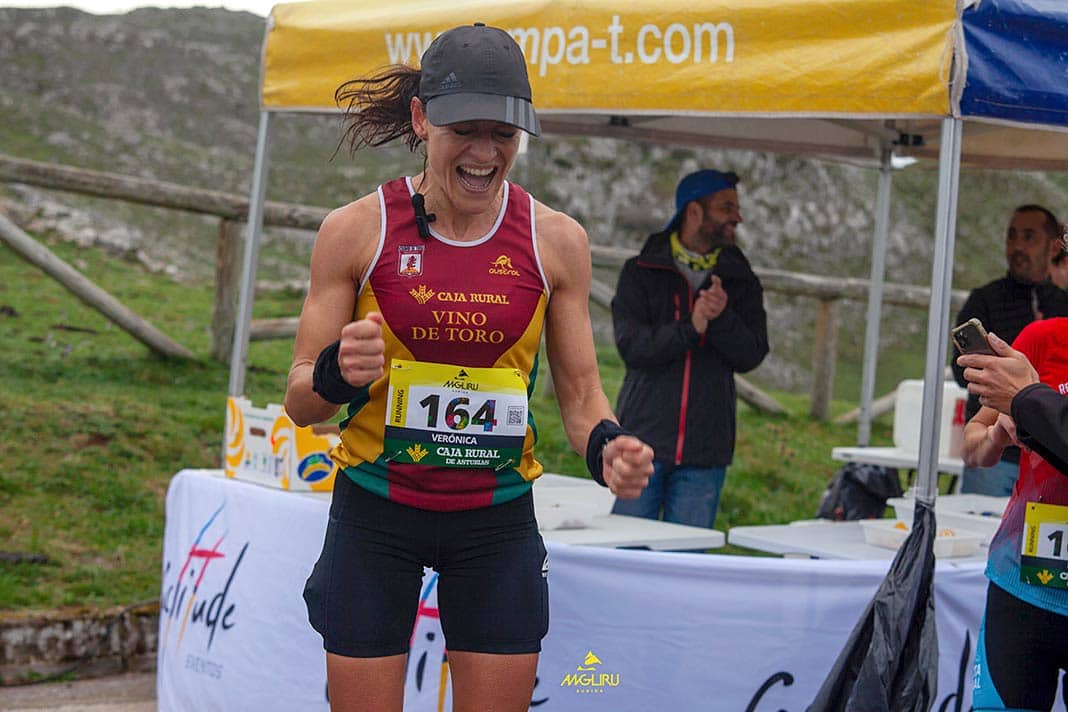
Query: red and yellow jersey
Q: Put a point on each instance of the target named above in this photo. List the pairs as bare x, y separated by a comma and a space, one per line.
447, 427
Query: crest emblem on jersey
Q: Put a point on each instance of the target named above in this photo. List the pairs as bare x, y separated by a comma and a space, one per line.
410, 260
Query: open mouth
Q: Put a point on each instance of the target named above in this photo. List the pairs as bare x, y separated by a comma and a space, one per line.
476, 179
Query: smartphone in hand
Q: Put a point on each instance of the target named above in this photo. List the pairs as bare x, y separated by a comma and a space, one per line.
970, 338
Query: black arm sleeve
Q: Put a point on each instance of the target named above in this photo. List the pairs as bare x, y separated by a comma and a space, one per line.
1041, 416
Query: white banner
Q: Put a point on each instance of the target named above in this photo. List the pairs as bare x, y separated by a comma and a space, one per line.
629, 630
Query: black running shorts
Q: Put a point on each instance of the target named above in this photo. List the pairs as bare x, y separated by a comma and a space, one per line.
363, 593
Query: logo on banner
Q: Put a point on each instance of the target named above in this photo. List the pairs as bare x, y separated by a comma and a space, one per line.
428, 677
196, 603
588, 678
427, 683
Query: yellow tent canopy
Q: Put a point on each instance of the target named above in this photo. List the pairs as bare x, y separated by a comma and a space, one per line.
816, 77
704, 58
829, 78
845, 79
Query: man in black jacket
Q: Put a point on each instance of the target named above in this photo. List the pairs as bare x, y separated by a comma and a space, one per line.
688, 313
1006, 306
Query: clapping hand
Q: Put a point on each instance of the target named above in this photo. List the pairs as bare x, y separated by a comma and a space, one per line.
708, 304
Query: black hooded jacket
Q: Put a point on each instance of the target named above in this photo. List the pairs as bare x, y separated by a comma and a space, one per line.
678, 394
1041, 416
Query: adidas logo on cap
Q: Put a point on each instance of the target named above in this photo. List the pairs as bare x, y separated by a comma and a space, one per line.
451, 81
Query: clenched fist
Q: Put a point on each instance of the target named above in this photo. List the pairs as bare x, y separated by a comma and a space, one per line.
628, 465
361, 353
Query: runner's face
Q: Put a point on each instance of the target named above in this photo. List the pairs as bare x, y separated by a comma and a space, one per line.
1028, 248
469, 161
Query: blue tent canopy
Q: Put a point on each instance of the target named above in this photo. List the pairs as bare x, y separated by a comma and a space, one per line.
1017, 61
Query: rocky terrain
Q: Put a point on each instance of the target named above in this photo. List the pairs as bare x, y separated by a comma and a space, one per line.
172, 95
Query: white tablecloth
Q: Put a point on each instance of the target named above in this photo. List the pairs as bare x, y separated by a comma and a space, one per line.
672, 631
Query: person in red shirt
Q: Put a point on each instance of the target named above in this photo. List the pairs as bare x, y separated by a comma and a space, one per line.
1020, 652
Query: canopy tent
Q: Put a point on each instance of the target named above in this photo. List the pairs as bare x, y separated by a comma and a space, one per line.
1017, 54
756, 58
844, 79
832, 78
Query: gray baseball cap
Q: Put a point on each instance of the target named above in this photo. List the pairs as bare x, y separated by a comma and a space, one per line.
475, 72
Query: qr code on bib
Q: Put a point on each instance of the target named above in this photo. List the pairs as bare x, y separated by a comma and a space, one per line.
515, 415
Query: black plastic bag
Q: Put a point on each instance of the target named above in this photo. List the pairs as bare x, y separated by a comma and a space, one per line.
890, 662
859, 491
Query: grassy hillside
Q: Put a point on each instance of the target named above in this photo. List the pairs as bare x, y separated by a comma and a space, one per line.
172, 94
95, 426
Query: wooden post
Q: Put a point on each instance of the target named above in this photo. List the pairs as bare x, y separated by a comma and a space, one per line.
228, 251
86, 290
280, 328
824, 352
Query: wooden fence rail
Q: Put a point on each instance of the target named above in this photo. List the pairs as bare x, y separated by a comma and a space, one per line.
156, 193
86, 290
232, 210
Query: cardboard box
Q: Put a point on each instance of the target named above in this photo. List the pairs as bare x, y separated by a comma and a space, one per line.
263, 445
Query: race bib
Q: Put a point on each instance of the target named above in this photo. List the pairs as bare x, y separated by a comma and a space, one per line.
455, 416
1044, 551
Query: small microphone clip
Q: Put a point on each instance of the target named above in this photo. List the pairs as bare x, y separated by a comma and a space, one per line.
422, 218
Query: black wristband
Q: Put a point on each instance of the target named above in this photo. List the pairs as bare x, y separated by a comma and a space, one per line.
599, 437
327, 380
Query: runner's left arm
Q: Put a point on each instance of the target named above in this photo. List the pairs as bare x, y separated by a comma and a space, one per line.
572, 358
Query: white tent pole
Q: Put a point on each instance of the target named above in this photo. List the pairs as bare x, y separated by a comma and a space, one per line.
875, 299
254, 229
938, 310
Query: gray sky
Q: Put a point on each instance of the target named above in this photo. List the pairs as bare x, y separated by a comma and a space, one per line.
109, 7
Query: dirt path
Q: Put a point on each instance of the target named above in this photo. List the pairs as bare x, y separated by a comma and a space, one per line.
132, 692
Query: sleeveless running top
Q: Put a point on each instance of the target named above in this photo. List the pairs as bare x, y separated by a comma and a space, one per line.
478, 304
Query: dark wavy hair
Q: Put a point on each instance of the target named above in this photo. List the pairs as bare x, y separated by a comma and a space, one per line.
377, 108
